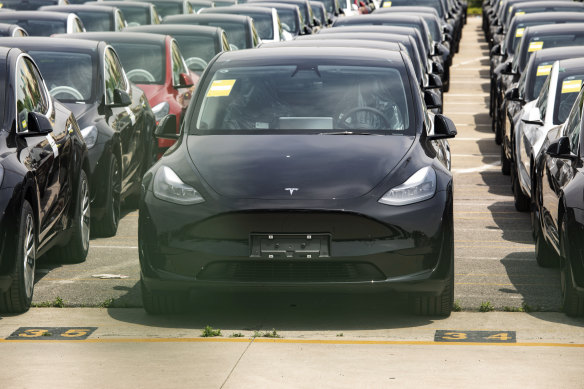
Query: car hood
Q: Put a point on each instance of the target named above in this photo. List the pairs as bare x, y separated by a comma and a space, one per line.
152, 90
81, 113
311, 167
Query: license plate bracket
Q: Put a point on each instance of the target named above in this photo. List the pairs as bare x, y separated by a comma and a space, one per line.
290, 246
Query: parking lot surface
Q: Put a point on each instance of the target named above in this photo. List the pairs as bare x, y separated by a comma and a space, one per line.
328, 340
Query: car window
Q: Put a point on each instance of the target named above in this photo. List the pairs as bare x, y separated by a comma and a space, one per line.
96, 21
567, 92
264, 25
120, 23
197, 50
114, 75
78, 25
178, 63
574, 119
541, 72
144, 63
136, 16
225, 42
69, 76
30, 93
39, 27
322, 97
155, 15
254, 35
236, 34
542, 100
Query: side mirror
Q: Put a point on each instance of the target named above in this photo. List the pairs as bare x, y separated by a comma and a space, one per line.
316, 22
432, 100
512, 94
499, 30
185, 81
496, 50
447, 37
443, 128
537, 122
307, 30
121, 98
508, 69
561, 149
437, 68
38, 125
166, 129
439, 49
434, 81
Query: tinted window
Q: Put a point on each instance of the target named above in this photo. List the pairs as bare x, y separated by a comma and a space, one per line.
572, 128
567, 92
536, 43
235, 34
168, 8
264, 25
288, 19
40, 27
30, 95
96, 21
144, 63
69, 76
326, 97
114, 76
197, 51
136, 16
420, 3
178, 64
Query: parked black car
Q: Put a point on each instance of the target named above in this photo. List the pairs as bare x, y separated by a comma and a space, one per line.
113, 114
45, 23
559, 205
12, 30
94, 18
135, 13
260, 190
290, 17
44, 190
30, 5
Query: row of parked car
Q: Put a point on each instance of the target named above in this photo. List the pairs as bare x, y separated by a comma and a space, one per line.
537, 69
98, 99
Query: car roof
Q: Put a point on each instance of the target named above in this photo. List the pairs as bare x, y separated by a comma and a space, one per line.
177, 29
394, 46
551, 4
38, 15
79, 7
537, 16
296, 54
556, 52
408, 8
273, 4
572, 64
238, 10
242, 19
554, 28
136, 4
52, 44
378, 17
8, 27
119, 36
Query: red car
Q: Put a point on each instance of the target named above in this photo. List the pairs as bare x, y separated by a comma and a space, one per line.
155, 64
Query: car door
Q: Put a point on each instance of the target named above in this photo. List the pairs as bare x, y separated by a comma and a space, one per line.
42, 152
123, 119
559, 172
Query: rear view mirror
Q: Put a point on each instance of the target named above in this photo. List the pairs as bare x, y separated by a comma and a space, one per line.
432, 100
508, 68
443, 128
185, 81
512, 94
496, 50
166, 129
434, 81
437, 68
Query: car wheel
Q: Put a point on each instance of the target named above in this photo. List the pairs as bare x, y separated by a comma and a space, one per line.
108, 225
75, 251
158, 302
544, 254
572, 302
522, 202
505, 163
18, 297
440, 305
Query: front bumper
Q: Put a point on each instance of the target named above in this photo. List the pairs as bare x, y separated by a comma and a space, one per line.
405, 249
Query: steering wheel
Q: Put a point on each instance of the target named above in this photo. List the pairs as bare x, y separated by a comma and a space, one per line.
342, 121
141, 74
66, 90
286, 27
233, 47
202, 64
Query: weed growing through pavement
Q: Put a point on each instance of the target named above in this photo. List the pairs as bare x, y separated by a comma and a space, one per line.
486, 306
56, 303
209, 332
236, 335
267, 334
456, 306
107, 303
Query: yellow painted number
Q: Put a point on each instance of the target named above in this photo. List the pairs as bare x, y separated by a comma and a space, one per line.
454, 336
503, 336
32, 333
75, 333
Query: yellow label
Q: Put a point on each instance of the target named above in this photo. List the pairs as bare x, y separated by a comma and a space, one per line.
24, 124
519, 32
571, 86
543, 70
535, 46
386, 4
220, 88
511, 9
520, 13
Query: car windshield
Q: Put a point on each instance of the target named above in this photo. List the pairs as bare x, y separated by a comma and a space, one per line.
567, 92
329, 5
144, 63
70, 77
288, 20
96, 21
264, 25
417, 3
37, 27
319, 14
167, 8
433, 26
235, 34
297, 97
537, 79
136, 16
536, 43
197, 50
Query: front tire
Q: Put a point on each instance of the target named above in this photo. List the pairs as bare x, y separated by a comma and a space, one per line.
18, 297
522, 202
544, 254
572, 301
505, 163
108, 225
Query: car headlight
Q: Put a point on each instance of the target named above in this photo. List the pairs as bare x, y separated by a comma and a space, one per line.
169, 187
160, 111
419, 187
90, 136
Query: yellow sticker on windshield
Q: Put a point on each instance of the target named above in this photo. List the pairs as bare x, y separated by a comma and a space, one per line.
520, 13
220, 88
543, 70
386, 4
535, 46
24, 124
571, 86
519, 32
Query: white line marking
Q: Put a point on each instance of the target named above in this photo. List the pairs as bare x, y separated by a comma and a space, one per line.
472, 139
477, 169
482, 94
113, 247
470, 61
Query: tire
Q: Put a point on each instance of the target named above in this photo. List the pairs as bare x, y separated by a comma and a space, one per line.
18, 297
440, 305
75, 251
505, 163
108, 224
522, 202
544, 254
572, 301
162, 303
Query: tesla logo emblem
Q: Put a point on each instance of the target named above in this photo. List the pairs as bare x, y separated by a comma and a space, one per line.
291, 190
